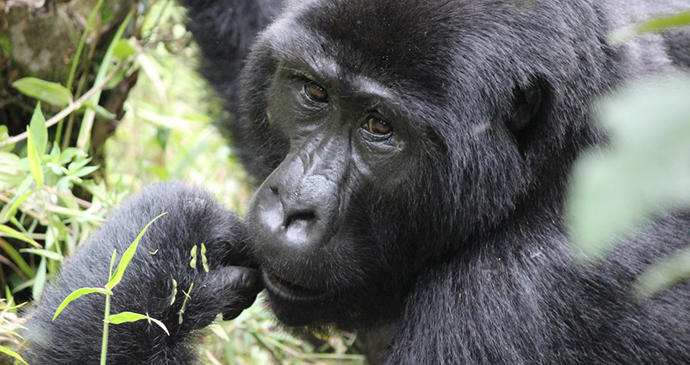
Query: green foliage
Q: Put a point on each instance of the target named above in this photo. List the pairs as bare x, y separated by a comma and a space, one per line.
39, 131
663, 275
199, 252
15, 234
126, 317
653, 25
13, 354
204, 260
113, 280
9, 326
192, 253
37, 135
127, 257
90, 115
644, 168
50, 92
184, 302
76, 295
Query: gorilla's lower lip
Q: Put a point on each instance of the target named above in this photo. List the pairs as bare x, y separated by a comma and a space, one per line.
287, 291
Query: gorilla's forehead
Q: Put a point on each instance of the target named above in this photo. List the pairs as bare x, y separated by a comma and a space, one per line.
421, 42
411, 40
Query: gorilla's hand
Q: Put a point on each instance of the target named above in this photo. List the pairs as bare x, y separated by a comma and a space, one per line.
164, 280
239, 287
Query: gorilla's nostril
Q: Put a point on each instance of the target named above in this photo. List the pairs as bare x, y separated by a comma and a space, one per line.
303, 217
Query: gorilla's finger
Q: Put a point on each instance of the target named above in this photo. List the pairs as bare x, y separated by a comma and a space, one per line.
241, 279
239, 286
243, 303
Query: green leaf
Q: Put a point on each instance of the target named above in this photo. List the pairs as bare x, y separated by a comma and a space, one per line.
219, 331
204, 260
78, 164
17, 259
33, 148
85, 130
12, 307
11, 172
70, 153
15, 234
653, 25
75, 213
4, 133
112, 262
15, 334
39, 131
86, 170
13, 354
126, 317
42, 90
39, 280
100, 111
127, 257
123, 49
174, 294
45, 253
76, 295
642, 171
663, 275
10, 209
192, 263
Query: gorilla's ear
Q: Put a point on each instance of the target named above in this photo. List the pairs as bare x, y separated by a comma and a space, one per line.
527, 102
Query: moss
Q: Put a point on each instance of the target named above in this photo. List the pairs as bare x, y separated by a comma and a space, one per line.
5, 45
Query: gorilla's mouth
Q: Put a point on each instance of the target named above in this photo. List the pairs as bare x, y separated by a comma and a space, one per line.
291, 292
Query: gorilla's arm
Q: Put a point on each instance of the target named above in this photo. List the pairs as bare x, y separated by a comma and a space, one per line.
224, 31
163, 255
521, 298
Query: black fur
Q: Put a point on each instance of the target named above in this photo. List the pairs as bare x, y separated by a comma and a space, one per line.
446, 247
163, 254
456, 252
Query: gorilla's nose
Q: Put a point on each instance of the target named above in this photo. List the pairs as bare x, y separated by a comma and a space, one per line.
289, 220
301, 225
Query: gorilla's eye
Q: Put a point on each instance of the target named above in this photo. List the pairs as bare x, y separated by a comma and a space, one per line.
315, 92
377, 126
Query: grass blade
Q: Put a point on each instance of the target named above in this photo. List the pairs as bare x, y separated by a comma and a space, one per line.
87, 122
126, 317
50, 92
75, 295
16, 235
127, 257
13, 354
34, 161
39, 131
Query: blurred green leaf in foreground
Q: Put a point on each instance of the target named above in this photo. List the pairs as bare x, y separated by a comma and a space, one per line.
643, 171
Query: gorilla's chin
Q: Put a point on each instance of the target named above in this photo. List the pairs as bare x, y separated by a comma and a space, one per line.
287, 291
297, 306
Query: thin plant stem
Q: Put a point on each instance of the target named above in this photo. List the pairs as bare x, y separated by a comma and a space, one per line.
70, 108
104, 345
77, 57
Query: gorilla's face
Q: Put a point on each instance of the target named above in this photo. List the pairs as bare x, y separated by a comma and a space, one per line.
388, 163
323, 218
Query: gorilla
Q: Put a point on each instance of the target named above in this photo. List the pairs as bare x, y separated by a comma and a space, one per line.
413, 159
